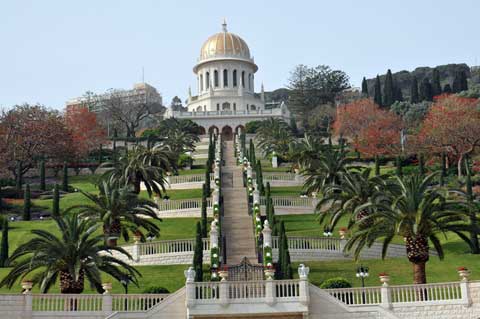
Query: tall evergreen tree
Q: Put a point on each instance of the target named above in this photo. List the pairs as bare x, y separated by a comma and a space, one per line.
414, 96
284, 267
4, 243
364, 87
18, 177
447, 89
426, 93
436, 86
43, 185
398, 96
377, 166
198, 254
27, 203
388, 90
377, 97
460, 82
261, 187
421, 165
398, 162
65, 177
474, 243
1, 200
443, 168
204, 213
56, 201
208, 189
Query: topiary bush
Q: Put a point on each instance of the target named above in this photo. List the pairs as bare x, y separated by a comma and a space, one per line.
156, 290
336, 282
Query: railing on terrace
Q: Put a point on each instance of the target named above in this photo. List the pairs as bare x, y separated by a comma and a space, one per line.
179, 204
170, 246
94, 302
310, 243
189, 178
222, 113
426, 293
274, 176
290, 201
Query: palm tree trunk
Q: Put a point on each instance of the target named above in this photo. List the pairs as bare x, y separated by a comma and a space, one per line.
112, 232
419, 273
68, 285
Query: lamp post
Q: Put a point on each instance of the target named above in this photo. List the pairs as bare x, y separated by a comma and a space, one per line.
126, 279
362, 273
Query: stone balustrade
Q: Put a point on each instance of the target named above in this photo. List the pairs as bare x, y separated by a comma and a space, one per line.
291, 201
178, 208
311, 243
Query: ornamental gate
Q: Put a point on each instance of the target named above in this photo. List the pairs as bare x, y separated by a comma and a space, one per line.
245, 271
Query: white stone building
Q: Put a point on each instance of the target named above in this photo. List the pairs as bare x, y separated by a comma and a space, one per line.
226, 98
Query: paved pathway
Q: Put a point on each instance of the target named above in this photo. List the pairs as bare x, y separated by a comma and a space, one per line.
237, 224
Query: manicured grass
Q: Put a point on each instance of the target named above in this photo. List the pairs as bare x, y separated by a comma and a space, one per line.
170, 277
276, 169
286, 190
301, 225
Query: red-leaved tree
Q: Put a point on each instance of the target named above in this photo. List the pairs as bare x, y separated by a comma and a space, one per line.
374, 131
87, 133
452, 125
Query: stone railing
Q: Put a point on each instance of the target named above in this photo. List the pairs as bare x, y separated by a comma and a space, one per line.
169, 246
311, 243
181, 207
291, 201
281, 179
388, 296
276, 111
188, 178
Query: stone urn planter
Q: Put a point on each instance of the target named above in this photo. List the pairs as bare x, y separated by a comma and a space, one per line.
27, 286
384, 279
343, 233
223, 274
464, 273
269, 273
107, 286
137, 238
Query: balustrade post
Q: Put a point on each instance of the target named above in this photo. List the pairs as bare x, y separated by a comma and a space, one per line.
267, 234
213, 235
168, 181
190, 286
303, 284
274, 160
28, 304
136, 250
107, 303
223, 292
270, 291
256, 196
467, 301
343, 243
386, 296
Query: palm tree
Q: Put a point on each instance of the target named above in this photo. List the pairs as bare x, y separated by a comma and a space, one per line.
415, 211
274, 135
355, 189
120, 211
305, 152
71, 257
142, 165
180, 135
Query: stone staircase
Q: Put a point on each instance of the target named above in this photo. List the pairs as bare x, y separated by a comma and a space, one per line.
237, 224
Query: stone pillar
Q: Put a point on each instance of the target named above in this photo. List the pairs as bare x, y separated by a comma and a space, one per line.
28, 304
267, 234
298, 177
136, 250
249, 170
107, 304
467, 301
270, 292
213, 235
274, 161
256, 196
386, 296
189, 286
223, 292
303, 285
168, 180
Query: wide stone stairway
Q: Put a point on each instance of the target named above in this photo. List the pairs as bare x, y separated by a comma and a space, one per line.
237, 224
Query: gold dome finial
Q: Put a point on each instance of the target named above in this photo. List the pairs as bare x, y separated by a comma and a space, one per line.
224, 25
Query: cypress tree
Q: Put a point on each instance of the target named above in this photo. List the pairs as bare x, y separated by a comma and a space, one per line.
474, 243
447, 89
43, 185
261, 188
421, 165
4, 243
100, 155
364, 87
443, 173
398, 96
208, 190
27, 203
204, 213
65, 177
414, 96
377, 97
436, 86
398, 162
281, 253
56, 201
377, 166
251, 153
18, 177
198, 254
388, 89
459, 82
1, 200
426, 93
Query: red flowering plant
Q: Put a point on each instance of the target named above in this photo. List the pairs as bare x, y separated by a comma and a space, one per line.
383, 274
462, 268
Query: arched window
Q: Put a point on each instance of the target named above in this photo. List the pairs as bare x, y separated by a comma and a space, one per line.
234, 106
234, 78
215, 78
226, 106
205, 108
225, 78
201, 82
243, 78
253, 107
249, 81
218, 106
199, 108
207, 80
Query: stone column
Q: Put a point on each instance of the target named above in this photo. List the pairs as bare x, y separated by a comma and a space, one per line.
28, 304
136, 250
107, 303
168, 180
213, 235
256, 196
223, 291
464, 289
303, 285
270, 292
267, 234
386, 296
274, 161
189, 286
249, 170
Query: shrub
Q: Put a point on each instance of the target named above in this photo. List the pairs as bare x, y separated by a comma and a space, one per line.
252, 127
184, 160
156, 290
337, 282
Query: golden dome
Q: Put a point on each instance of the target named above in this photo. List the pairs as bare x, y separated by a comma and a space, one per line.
225, 44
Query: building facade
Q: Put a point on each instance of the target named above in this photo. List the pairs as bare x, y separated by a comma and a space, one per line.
226, 98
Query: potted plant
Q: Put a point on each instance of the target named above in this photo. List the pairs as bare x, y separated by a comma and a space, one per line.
137, 236
342, 232
269, 271
107, 287
464, 273
384, 278
223, 272
27, 285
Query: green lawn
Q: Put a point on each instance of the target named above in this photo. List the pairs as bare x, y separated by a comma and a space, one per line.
286, 190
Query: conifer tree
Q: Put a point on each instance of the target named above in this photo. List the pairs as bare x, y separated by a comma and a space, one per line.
4, 243
204, 213
460, 82
447, 89
398, 162
251, 152
426, 93
436, 86
377, 98
261, 187
27, 203
421, 165
1, 200
414, 96
377, 166
388, 89
208, 189
398, 96
18, 177
443, 172
65, 177
56, 201
463, 81
198, 254
474, 243
364, 87
43, 185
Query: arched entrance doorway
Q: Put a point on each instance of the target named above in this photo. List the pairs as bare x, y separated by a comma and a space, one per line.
201, 130
239, 129
213, 129
227, 133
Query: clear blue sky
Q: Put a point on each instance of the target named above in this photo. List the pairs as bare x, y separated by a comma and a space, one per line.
51, 51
